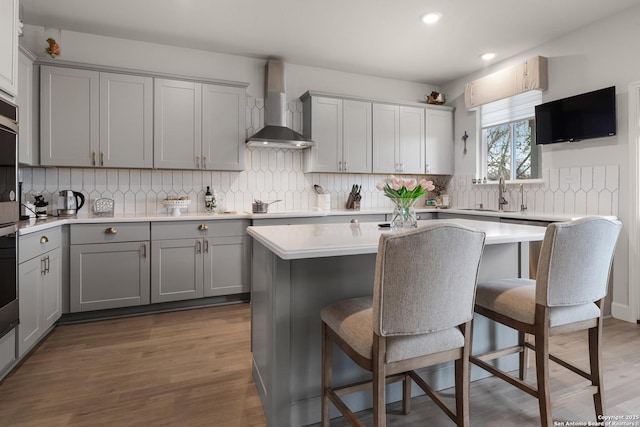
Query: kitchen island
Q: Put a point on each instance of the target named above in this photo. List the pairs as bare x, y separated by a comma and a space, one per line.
299, 269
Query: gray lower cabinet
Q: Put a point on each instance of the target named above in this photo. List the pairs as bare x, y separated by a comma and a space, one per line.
110, 266
199, 259
177, 270
40, 286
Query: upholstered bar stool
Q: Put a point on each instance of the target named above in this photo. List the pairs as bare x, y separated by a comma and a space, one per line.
420, 315
567, 296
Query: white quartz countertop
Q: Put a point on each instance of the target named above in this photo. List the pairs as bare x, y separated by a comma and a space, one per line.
35, 225
326, 240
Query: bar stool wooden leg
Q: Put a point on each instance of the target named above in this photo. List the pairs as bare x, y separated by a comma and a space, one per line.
327, 353
524, 355
406, 394
379, 382
595, 356
542, 365
463, 379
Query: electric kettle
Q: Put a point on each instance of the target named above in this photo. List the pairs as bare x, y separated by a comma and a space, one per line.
68, 203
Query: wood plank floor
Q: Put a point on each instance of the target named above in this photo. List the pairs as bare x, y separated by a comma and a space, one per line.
193, 368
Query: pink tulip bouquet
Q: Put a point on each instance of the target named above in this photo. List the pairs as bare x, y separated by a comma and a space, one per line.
399, 188
404, 193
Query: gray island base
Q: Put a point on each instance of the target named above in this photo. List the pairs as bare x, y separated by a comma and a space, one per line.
299, 269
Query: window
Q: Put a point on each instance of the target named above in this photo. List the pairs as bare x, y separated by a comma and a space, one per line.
508, 138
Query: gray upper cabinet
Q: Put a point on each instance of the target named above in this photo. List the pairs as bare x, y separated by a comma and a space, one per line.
357, 139
322, 122
223, 127
411, 145
27, 100
198, 126
9, 46
177, 124
439, 142
126, 121
386, 137
89, 118
398, 139
342, 132
69, 116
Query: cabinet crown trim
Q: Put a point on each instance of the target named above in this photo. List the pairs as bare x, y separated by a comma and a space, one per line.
136, 72
308, 94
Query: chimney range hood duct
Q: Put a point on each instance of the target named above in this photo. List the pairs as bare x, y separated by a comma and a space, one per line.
275, 133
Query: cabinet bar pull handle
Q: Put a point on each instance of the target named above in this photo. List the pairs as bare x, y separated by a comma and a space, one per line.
345, 166
46, 263
204, 162
44, 239
93, 157
110, 230
43, 266
203, 227
144, 250
198, 162
340, 166
102, 158
206, 246
199, 246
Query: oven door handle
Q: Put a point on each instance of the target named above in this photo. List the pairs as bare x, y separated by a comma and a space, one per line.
5, 231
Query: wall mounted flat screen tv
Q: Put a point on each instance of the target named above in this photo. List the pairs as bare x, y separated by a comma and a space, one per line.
584, 116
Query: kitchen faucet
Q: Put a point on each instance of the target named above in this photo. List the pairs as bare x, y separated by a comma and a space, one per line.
501, 190
523, 207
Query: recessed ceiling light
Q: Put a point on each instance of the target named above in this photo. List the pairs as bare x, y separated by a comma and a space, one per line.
431, 17
488, 56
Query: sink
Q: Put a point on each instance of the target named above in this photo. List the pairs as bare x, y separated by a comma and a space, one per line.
487, 210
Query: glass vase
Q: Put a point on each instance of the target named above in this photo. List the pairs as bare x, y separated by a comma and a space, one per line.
404, 213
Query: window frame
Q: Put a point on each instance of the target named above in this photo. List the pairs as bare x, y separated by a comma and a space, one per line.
511, 105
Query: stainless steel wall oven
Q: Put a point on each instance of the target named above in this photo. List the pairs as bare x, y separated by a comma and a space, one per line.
9, 212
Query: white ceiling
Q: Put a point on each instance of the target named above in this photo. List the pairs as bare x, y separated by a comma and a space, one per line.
376, 37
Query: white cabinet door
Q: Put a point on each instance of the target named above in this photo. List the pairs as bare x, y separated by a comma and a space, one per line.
52, 288
386, 136
226, 267
69, 117
31, 325
177, 124
177, 272
439, 142
357, 143
411, 141
9, 46
28, 152
326, 131
223, 128
126, 121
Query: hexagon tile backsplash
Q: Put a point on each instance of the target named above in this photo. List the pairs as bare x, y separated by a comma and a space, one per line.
272, 174
591, 190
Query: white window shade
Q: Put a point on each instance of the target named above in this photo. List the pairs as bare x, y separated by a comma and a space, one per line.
514, 108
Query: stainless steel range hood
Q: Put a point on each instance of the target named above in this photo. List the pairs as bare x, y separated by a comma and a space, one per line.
275, 133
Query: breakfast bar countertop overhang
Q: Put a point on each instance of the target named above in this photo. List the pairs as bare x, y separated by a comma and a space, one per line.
297, 270
327, 240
